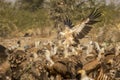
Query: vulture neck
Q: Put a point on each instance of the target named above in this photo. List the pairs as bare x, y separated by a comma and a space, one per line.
48, 57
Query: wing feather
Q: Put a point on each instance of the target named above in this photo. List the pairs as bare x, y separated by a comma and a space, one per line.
68, 22
81, 30
84, 32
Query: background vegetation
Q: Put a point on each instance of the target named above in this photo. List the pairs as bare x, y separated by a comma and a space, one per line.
32, 14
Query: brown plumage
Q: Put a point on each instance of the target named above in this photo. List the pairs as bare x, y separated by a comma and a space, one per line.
110, 65
102, 75
91, 65
66, 68
57, 68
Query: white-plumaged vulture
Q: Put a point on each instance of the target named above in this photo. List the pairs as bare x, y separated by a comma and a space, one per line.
73, 33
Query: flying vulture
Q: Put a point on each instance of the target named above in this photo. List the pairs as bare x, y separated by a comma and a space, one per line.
73, 33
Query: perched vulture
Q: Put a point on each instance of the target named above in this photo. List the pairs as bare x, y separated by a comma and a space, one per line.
73, 33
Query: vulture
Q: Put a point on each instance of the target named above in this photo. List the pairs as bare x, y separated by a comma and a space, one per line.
65, 68
73, 33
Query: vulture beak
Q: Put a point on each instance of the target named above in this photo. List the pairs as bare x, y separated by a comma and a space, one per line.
80, 71
110, 61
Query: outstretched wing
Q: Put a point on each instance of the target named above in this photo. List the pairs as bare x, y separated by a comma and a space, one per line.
81, 30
